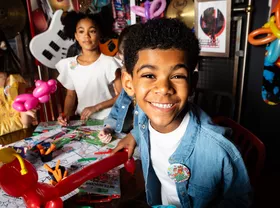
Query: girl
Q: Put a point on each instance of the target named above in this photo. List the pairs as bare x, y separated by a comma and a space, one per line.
92, 77
11, 84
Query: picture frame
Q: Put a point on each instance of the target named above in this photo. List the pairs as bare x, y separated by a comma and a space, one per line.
212, 26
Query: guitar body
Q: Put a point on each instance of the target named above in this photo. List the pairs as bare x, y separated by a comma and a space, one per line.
109, 47
51, 46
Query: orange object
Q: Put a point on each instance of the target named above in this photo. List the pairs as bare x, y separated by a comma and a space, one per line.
57, 165
65, 174
52, 182
39, 146
47, 167
59, 174
261, 41
276, 10
110, 47
56, 176
52, 147
42, 151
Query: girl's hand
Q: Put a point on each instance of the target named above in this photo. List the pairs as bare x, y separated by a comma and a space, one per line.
63, 120
31, 113
105, 135
88, 111
127, 142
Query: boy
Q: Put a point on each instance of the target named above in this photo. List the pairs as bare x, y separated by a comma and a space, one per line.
186, 161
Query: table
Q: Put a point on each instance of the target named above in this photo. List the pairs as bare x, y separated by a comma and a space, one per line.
132, 186
16, 136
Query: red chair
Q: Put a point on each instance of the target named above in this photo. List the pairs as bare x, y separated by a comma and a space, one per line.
251, 147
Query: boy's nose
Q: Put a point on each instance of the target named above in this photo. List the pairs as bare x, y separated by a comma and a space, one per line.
164, 87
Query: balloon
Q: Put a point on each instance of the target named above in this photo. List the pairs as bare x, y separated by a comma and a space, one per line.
38, 83
31, 103
23, 97
277, 62
53, 89
271, 24
147, 5
273, 52
44, 98
154, 10
41, 93
51, 82
261, 41
18, 183
41, 90
22, 101
18, 107
140, 11
277, 14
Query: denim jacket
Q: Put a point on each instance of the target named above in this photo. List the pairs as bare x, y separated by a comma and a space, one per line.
218, 176
121, 115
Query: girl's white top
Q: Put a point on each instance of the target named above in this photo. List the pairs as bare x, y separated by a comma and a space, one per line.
93, 83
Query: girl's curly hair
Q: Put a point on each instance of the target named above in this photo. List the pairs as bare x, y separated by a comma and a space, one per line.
72, 18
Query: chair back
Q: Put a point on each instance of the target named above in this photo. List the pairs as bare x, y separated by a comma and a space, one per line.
251, 147
215, 103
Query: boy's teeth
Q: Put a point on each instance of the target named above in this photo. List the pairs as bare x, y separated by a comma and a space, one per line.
160, 105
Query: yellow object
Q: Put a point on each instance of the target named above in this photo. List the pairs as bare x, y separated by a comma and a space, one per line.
10, 118
7, 155
272, 25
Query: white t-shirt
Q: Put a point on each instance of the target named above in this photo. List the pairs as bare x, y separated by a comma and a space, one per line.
162, 147
92, 83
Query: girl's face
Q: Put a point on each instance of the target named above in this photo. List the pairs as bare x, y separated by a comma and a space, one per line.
87, 34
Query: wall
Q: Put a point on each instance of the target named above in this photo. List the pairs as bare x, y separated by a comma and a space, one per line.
260, 118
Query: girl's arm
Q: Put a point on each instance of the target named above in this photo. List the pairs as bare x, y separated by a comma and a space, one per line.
98, 107
69, 104
106, 104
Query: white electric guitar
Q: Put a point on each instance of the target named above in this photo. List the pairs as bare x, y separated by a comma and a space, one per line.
51, 46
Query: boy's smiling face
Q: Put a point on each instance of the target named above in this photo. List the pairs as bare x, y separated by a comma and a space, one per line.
160, 84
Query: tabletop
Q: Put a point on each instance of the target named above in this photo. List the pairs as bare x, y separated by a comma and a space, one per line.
131, 185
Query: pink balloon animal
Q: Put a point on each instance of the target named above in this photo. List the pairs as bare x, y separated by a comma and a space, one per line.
150, 10
41, 94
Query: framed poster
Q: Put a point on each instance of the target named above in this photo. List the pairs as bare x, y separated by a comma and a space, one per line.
212, 26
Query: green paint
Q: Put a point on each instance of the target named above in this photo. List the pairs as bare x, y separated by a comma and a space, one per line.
87, 159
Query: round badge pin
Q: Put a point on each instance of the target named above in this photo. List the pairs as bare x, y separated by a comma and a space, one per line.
178, 172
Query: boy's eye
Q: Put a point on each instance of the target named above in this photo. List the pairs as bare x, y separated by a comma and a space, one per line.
179, 77
149, 76
92, 31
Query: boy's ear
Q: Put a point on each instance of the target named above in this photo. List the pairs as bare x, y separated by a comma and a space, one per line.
127, 83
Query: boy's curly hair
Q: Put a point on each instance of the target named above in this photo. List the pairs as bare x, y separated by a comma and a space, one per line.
72, 18
163, 33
